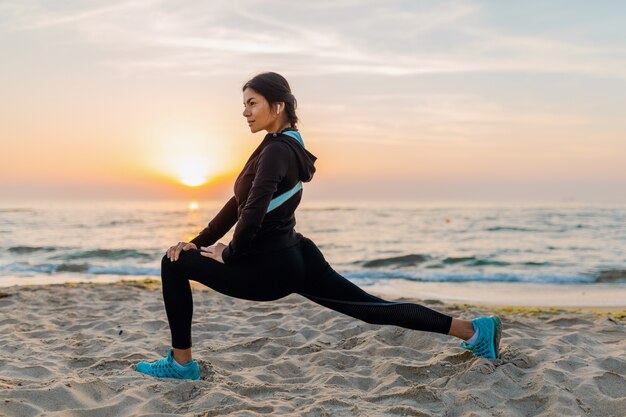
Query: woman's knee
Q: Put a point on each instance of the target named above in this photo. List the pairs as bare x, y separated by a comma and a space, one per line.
186, 264
165, 262
168, 268
182, 256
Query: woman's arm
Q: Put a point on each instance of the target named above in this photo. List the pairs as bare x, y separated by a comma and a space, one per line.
272, 167
220, 224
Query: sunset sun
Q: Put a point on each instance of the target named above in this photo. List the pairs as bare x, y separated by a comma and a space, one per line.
193, 170
190, 158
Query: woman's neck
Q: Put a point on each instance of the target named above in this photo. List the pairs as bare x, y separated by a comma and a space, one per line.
279, 130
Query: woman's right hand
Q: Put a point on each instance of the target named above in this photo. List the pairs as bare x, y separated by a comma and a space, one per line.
174, 251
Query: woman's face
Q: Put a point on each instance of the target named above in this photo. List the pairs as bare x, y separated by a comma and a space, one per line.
257, 111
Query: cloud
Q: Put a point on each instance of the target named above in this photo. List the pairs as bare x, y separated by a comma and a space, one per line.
27, 16
389, 39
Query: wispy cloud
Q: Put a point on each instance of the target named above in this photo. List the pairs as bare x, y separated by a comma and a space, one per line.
447, 119
32, 16
389, 39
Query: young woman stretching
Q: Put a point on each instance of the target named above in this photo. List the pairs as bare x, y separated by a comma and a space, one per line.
267, 259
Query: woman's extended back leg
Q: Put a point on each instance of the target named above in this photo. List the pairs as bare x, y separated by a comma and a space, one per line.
330, 289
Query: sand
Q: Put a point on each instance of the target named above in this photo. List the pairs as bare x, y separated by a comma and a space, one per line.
70, 350
587, 296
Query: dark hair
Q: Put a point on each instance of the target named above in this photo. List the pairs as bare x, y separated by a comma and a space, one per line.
275, 88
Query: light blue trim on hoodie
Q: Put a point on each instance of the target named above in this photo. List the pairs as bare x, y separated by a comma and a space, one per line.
296, 135
277, 201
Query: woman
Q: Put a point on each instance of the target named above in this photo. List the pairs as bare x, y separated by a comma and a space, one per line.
267, 259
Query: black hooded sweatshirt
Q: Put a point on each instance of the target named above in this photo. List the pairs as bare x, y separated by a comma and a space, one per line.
274, 167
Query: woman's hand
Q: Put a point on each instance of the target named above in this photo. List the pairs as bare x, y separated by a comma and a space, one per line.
213, 252
174, 251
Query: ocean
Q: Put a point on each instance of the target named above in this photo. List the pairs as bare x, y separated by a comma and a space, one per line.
367, 242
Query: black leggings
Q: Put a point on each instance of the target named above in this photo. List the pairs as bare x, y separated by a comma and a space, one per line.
299, 269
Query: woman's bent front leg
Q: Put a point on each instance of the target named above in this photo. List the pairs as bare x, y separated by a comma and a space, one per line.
248, 281
178, 303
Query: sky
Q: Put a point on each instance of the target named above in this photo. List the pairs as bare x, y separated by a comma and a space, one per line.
406, 100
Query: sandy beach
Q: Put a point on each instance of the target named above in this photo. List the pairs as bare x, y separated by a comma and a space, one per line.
70, 350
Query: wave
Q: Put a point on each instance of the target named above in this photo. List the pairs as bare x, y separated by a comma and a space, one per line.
332, 230
466, 261
512, 229
375, 277
30, 249
25, 268
109, 254
124, 270
405, 260
456, 260
611, 275
120, 222
72, 268
473, 261
369, 277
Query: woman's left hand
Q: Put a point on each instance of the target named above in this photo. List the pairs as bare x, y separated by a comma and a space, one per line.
213, 252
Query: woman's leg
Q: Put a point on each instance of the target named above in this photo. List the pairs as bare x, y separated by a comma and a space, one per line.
330, 289
241, 281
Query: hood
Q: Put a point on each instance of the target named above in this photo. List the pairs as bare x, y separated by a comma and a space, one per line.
305, 159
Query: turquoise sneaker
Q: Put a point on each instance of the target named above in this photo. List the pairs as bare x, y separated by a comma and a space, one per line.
488, 342
165, 368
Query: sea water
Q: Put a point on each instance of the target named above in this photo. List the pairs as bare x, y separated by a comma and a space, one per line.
367, 242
